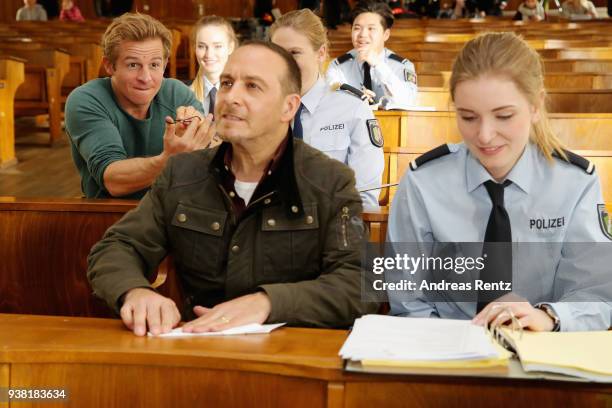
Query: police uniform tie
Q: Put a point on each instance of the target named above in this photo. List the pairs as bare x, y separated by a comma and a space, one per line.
367, 76
212, 95
298, 132
498, 266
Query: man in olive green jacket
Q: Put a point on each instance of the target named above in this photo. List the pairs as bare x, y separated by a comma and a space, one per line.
262, 228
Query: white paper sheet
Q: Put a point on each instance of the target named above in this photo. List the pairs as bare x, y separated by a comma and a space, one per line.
253, 328
377, 337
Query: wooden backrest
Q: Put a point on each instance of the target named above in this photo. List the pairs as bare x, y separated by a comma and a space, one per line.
43, 251
12, 75
550, 66
426, 130
560, 80
559, 100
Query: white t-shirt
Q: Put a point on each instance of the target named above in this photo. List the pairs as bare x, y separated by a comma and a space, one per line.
245, 190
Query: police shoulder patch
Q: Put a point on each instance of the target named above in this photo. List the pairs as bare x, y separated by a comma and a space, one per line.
410, 76
578, 161
344, 57
439, 151
375, 133
605, 222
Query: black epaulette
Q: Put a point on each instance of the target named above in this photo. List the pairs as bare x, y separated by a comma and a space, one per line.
439, 151
344, 57
577, 160
397, 58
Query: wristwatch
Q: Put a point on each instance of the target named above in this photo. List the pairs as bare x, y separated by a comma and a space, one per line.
552, 314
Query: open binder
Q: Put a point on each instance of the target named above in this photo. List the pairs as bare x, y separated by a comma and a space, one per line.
402, 345
586, 355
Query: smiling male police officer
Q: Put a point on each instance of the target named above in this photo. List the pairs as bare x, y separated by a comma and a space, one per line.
263, 228
370, 66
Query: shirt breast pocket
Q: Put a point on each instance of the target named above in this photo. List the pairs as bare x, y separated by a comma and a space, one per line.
290, 247
196, 237
334, 143
547, 227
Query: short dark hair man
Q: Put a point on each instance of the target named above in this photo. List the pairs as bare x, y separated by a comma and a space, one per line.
378, 71
262, 228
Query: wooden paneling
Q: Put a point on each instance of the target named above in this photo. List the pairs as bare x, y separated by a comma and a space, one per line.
107, 386
43, 251
5, 371
450, 393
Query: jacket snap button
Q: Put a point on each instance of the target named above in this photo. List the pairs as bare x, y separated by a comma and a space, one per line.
181, 217
232, 194
267, 201
215, 226
271, 222
309, 219
235, 248
294, 209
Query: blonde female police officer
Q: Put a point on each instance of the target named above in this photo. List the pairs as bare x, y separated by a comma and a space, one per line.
338, 123
369, 65
215, 40
511, 172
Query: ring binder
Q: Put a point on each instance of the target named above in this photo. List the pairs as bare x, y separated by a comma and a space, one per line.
495, 330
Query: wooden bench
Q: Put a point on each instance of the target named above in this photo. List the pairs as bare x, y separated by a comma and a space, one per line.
426, 130
552, 80
12, 75
44, 245
185, 53
557, 66
77, 72
559, 100
45, 70
74, 40
87, 48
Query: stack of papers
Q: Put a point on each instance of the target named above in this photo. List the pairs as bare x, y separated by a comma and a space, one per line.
387, 341
253, 328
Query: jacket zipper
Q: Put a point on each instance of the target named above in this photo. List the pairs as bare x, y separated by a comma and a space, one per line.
344, 225
261, 198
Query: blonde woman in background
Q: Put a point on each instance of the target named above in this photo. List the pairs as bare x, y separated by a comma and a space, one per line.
214, 39
338, 123
512, 181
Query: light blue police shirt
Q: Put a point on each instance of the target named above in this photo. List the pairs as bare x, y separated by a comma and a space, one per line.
335, 122
444, 200
208, 86
393, 79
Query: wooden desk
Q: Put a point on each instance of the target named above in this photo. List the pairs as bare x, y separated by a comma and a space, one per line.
103, 365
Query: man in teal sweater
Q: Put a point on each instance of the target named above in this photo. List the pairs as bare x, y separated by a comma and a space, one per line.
124, 128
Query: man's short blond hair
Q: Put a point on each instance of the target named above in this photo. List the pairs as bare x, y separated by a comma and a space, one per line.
134, 27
